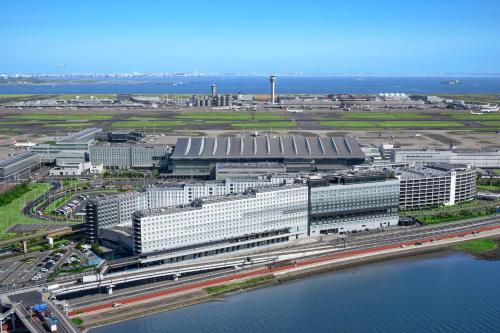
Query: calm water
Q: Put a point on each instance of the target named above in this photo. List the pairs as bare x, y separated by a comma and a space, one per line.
447, 293
260, 84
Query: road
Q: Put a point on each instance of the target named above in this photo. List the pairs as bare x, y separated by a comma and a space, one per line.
357, 244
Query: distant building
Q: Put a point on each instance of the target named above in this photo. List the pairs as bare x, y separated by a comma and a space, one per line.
124, 136
480, 158
198, 156
71, 148
125, 156
19, 166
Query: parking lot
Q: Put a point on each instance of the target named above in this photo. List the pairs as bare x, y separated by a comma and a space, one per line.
37, 267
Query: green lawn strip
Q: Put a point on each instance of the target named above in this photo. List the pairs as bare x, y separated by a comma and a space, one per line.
62, 117
139, 124
392, 123
83, 123
57, 203
420, 124
77, 321
77, 269
11, 213
143, 118
14, 193
469, 116
269, 116
270, 124
460, 211
452, 217
348, 124
477, 245
24, 122
383, 116
224, 288
216, 115
492, 188
495, 124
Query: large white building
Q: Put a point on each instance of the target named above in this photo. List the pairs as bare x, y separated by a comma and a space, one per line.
436, 184
480, 158
225, 223
117, 210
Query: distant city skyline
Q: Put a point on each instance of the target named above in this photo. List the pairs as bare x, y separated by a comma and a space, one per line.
327, 37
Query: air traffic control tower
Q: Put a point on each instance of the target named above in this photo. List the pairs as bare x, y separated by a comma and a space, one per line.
272, 79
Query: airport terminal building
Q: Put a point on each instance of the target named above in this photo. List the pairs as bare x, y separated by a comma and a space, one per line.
480, 158
223, 224
197, 156
19, 167
347, 203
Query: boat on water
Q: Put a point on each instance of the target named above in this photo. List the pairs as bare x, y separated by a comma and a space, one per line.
451, 82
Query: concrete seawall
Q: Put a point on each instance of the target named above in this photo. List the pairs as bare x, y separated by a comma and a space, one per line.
188, 297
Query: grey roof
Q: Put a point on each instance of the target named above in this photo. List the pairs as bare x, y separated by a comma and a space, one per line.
266, 147
16, 159
87, 134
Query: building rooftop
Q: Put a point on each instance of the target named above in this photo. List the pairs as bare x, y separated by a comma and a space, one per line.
288, 147
428, 170
16, 159
123, 131
199, 203
86, 135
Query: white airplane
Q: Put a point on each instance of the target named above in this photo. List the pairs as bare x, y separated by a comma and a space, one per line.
28, 144
489, 108
294, 110
478, 113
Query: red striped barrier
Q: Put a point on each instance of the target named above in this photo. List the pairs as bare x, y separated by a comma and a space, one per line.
264, 271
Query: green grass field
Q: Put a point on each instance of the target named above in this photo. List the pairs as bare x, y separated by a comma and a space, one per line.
383, 116
270, 124
491, 188
392, 124
11, 214
420, 124
468, 116
269, 116
477, 245
494, 124
143, 118
82, 124
216, 115
142, 124
17, 122
56, 204
348, 124
62, 117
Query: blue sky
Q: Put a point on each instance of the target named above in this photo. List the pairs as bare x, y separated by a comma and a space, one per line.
385, 36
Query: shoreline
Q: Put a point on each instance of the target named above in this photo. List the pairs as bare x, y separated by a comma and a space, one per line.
130, 312
172, 302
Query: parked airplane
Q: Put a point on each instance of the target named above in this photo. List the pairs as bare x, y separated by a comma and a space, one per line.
294, 110
14, 143
472, 112
490, 108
